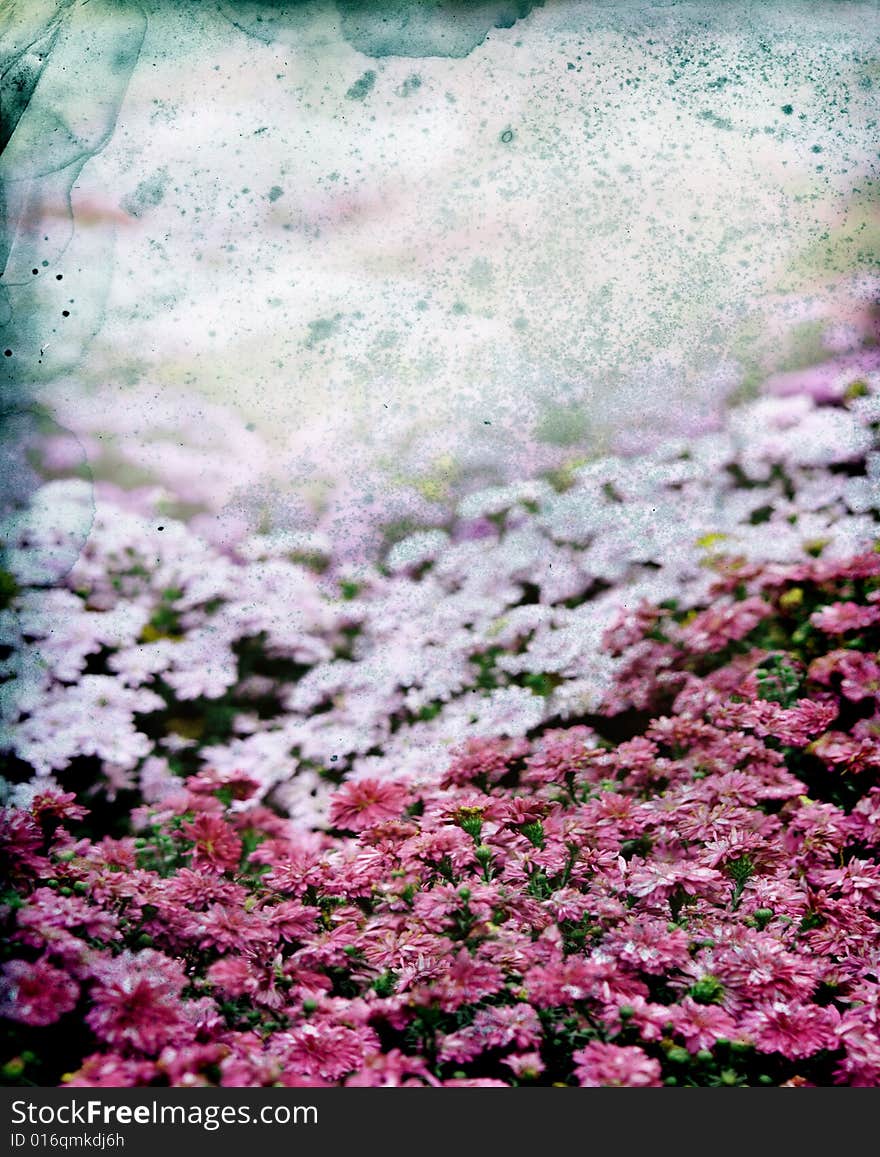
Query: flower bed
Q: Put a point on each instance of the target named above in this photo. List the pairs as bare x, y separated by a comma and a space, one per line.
693, 904
579, 787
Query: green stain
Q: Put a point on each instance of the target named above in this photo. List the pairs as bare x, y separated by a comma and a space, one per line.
480, 275
147, 195
284, 21
362, 87
53, 55
410, 85
563, 426
101, 53
321, 329
275, 192
132, 373
788, 109
804, 346
380, 28
20, 77
444, 28
716, 122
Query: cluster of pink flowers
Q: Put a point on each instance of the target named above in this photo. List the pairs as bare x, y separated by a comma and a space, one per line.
682, 890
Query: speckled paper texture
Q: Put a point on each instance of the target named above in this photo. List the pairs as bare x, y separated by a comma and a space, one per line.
428, 237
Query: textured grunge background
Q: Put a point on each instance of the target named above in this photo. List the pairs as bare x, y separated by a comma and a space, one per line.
440, 589
415, 243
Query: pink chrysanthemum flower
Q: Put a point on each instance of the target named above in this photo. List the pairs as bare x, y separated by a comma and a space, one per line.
600, 1065
20, 841
526, 1066
216, 844
701, 1026
108, 1071
36, 994
325, 1050
367, 802
136, 1001
795, 1031
464, 981
838, 618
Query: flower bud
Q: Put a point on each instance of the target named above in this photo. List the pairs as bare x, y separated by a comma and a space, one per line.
707, 990
471, 824
762, 917
791, 599
534, 833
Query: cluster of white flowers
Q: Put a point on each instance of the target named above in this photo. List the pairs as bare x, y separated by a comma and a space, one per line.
137, 641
